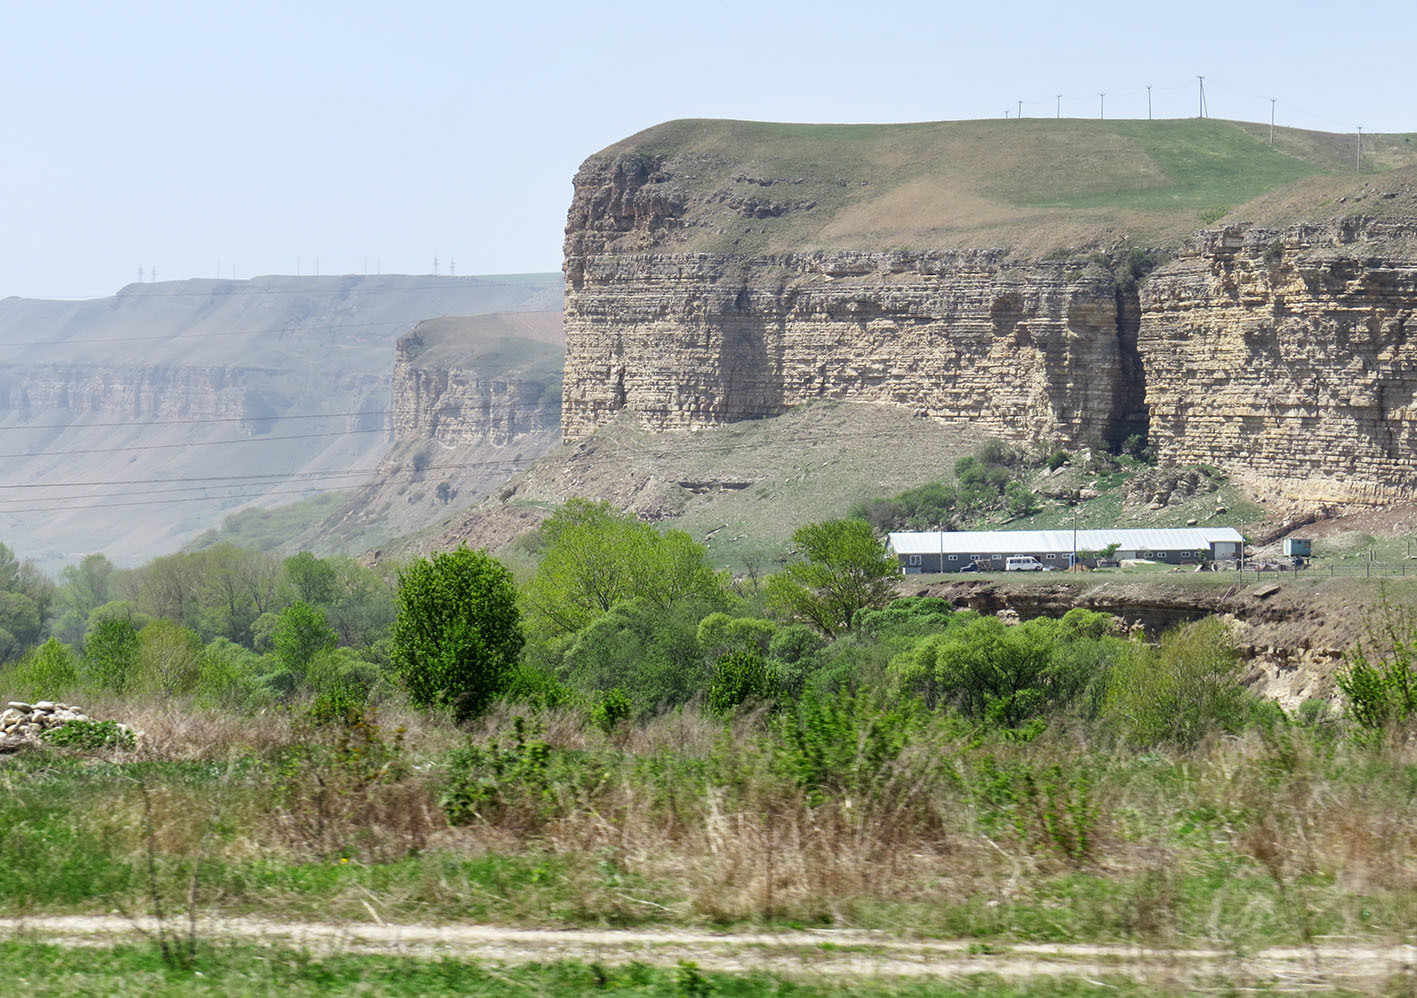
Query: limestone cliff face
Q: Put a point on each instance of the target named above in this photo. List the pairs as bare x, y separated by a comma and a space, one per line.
1284, 357
457, 405
131, 390
1029, 350
1281, 355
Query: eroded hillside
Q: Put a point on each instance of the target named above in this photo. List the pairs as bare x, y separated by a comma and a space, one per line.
131, 423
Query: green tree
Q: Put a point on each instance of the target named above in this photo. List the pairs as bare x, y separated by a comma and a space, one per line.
83, 588
648, 651
596, 557
313, 578
47, 672
111, 653
740, 677
847, 569
457, 631
301, 633
169, 658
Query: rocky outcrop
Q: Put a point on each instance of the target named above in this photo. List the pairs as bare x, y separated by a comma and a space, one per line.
1025, 350
458, 405
24, 723
1284, 357
135, 391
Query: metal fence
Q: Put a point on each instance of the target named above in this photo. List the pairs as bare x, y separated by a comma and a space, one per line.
1313, 570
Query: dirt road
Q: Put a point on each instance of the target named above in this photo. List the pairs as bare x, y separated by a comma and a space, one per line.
824, 954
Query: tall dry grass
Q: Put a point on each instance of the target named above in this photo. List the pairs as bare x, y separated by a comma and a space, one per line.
1288, 833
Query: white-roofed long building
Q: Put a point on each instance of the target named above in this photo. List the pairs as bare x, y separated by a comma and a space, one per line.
951, 550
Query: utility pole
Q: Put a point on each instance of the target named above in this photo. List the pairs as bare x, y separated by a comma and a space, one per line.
435, 266
141, 272
1077, 502
1101, 105
1358, 155
1020, 109
1271, 122
453, 266
1059, 112
1202, 102
1148, 102
1006, 114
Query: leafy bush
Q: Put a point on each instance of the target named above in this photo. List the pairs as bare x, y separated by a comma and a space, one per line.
720, 634
794, 643
90, 736
741, 677
652, 653
51, 670
844, 744
613, 709
1379, 680
1179, 692
522, 784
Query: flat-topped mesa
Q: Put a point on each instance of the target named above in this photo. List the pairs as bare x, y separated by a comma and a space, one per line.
720, 271
1284, 356
1027, 350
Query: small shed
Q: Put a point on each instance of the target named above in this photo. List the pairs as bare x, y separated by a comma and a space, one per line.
1298, 547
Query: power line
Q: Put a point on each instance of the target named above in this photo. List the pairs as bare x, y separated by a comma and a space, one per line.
312, 484
72, 503
195, 420
194, 443
274, 477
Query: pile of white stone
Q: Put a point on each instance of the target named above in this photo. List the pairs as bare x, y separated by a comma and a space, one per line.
27, 721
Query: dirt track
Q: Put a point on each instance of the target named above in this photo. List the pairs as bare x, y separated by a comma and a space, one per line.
824, 954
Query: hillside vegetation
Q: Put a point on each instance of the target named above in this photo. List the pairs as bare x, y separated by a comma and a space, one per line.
1037, 186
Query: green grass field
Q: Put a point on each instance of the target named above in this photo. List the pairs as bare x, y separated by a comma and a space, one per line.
1039, 186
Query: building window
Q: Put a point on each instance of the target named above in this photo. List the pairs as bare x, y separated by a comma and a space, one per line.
954, 557
915, 559
998, 557
1050, 557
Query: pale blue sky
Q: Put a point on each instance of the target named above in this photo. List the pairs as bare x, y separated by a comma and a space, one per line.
184, 136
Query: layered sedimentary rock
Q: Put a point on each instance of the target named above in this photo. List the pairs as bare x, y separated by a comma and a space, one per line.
1280, 355
1284, 357
131, 390
476, 400
1029, 350
459, 404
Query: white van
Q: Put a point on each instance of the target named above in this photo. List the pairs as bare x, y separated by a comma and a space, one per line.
1023, 563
